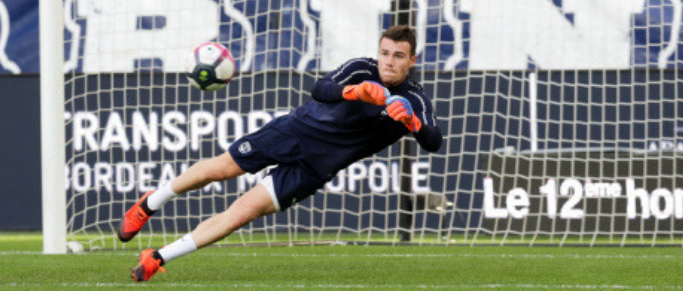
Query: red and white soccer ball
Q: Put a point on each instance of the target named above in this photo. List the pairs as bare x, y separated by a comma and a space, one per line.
210, 66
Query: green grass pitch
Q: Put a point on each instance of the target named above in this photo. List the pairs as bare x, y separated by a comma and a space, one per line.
349, 268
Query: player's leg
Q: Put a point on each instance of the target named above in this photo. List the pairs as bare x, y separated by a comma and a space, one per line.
280, 189
252, 205
255, 203
268, 146
219, 168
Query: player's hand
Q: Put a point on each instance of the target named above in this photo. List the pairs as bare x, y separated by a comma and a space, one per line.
368, 92
400, 110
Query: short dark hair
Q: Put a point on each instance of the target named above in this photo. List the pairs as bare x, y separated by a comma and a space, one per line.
401, 33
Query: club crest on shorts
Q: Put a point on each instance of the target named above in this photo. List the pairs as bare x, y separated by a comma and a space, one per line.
245, 147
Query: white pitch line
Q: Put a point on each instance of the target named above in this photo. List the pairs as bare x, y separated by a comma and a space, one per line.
503, 256
20, 253
386, 255
346, 286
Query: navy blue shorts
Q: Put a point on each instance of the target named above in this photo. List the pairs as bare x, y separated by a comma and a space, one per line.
275, 144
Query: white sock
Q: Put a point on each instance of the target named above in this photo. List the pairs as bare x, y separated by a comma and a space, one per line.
179, 248
160, 196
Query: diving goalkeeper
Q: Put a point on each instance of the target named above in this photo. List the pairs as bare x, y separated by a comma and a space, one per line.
359, 109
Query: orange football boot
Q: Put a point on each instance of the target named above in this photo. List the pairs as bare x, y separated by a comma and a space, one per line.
133, 220
147, 267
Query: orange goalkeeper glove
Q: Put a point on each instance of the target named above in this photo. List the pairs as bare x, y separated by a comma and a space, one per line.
368, 92
400, 110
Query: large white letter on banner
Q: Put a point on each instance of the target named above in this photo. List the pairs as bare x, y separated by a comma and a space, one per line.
115, 37
511, 34
349, 31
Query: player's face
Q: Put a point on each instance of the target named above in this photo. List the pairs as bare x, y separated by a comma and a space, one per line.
394, 61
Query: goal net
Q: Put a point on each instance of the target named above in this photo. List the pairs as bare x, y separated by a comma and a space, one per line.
561, 119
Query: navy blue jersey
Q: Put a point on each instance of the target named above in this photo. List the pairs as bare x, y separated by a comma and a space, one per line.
336, 132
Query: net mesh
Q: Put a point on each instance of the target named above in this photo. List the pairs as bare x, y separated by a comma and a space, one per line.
569, 137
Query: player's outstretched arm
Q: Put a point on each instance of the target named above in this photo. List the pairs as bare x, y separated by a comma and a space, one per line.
331, 87
400, 110
368, 92
429, 137
326, 90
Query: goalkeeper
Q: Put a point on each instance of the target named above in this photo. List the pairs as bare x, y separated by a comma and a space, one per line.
359, 109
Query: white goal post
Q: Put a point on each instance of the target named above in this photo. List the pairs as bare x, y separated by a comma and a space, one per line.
561, 120
52, 129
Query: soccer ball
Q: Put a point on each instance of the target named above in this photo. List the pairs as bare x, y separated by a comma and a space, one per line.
210, 66
74, 247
